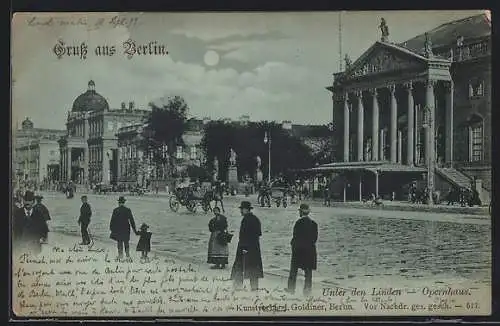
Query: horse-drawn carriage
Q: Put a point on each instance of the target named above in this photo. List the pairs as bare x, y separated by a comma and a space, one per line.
137, 190
191, 196
102, 189
277, 193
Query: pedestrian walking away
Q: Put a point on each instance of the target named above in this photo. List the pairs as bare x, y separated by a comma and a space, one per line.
218, 251
43, 209
304, 255
121, 222
84, 220
248, 260
29, 227
144, 243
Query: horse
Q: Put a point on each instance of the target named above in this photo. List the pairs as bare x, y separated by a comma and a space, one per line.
454, 196
214, 195
264, 196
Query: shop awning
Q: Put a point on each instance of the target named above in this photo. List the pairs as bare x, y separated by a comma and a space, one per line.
366, 166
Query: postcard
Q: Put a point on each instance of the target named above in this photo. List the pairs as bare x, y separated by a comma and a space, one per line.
251, 164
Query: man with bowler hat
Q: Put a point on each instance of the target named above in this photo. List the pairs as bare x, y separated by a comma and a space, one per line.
43, 209
84, 220
248, 261
29, 226
121, 221
304, 256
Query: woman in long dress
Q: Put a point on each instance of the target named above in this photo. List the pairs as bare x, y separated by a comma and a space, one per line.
218, 253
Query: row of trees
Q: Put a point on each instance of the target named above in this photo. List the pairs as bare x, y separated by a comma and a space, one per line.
168, 122
287, 152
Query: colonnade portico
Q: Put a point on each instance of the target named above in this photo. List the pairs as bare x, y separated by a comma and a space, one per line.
425, 106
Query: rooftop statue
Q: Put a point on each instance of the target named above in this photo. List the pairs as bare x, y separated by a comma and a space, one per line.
348, 61
384, 29
428, 46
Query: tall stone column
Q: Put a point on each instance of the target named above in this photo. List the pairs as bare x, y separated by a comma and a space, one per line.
68, 164
106, 172
375, 125
381, 145
411, 126
119, 164
394, 123
400, 146
361, 115
430, 136
449, 124
62, 163
85, 165
430, 117
418, 142
346, 128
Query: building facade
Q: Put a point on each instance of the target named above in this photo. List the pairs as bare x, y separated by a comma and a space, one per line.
89, 150
418, 109
137, 166
36, 155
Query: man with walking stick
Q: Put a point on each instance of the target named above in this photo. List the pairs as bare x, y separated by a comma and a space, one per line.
304, 255
248, 261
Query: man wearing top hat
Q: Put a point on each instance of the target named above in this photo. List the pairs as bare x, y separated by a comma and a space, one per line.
248, 260
29, 226
304, 256
121, 221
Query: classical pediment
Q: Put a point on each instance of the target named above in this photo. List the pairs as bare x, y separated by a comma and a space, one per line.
382, 58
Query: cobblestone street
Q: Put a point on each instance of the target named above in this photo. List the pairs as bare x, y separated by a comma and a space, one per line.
355, 245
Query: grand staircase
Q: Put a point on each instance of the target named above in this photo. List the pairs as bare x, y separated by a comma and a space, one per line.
455, 177
460, 179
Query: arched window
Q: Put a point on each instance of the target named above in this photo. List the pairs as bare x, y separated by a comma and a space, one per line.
476, 139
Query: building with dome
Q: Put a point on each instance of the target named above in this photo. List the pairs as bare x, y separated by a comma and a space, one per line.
36, 153
416, 110
89, 149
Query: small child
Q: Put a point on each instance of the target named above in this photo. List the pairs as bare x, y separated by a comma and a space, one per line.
144, 244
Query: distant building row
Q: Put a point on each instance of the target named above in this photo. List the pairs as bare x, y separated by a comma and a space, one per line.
102, 145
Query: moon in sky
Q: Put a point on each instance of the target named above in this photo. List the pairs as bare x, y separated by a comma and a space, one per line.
211, 58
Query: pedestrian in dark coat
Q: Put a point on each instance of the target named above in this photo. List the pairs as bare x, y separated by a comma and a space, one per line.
84, 220
29, 227
43, 209
304, 256
121, 221
248, 260
144, 243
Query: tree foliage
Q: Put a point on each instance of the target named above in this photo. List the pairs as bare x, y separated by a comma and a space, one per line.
247, 140
165, 126
323, 143
196, 172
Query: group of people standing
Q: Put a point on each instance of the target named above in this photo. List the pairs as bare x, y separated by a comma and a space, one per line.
29, 224
30, 231
248, 259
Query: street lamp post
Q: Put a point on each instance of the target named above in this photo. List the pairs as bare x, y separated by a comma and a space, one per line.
267, 140
429, 125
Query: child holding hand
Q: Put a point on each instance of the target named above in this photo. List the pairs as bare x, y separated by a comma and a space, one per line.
144, 244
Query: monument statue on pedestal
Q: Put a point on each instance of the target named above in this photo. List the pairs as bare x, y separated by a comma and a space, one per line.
215, 174
232, 157
233, 170
259, 176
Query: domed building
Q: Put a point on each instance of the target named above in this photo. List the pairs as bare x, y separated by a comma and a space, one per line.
90, 101
89, 149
